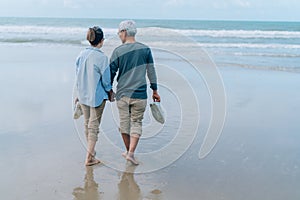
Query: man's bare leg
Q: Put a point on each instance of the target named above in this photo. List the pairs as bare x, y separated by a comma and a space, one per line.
134, 139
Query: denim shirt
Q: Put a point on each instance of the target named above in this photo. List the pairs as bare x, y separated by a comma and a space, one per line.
92, 77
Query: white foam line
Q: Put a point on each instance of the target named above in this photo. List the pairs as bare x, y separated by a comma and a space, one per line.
247, 45
242, 33
229, 33
188, 32
49, 30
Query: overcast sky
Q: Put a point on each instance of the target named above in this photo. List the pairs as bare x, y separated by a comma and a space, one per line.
274, 10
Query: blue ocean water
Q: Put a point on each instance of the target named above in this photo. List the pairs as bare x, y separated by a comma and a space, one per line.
259, 45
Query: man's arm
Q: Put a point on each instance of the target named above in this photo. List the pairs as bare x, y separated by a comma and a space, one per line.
152, 77
106, 81
114, 66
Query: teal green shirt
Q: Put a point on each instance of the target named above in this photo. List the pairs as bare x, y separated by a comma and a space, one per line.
133, 61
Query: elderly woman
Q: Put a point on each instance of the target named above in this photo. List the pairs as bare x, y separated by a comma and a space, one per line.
93, 88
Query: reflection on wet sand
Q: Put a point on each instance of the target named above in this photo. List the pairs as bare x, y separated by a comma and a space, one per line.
128, 188
90, 189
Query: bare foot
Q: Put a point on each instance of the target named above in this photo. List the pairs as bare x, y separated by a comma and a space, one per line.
130, 157
124, 154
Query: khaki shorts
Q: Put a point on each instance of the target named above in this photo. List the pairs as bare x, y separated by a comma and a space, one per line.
92, 119
131, 113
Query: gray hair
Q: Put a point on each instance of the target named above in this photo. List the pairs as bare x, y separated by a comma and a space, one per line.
129, 26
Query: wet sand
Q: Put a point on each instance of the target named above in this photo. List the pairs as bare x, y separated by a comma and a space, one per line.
42, 154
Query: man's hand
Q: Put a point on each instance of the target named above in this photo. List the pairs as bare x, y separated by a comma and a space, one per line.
111, 96
155, 96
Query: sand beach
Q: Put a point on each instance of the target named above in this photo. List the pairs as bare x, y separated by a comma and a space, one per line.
42, 152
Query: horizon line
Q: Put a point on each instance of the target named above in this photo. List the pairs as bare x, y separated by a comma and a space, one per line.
163, 19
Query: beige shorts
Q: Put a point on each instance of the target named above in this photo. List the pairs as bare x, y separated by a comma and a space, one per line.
131, 113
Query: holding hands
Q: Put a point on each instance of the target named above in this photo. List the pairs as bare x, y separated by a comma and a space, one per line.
111, 96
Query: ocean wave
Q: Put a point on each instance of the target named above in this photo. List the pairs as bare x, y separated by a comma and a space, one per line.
75, 35
48, 30
47, 34
267, 68
275, 55
249, 45
246, 34
195, 44
40, 40
242, 34
162, 44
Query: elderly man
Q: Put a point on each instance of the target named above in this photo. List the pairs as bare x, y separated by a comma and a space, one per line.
133, 60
